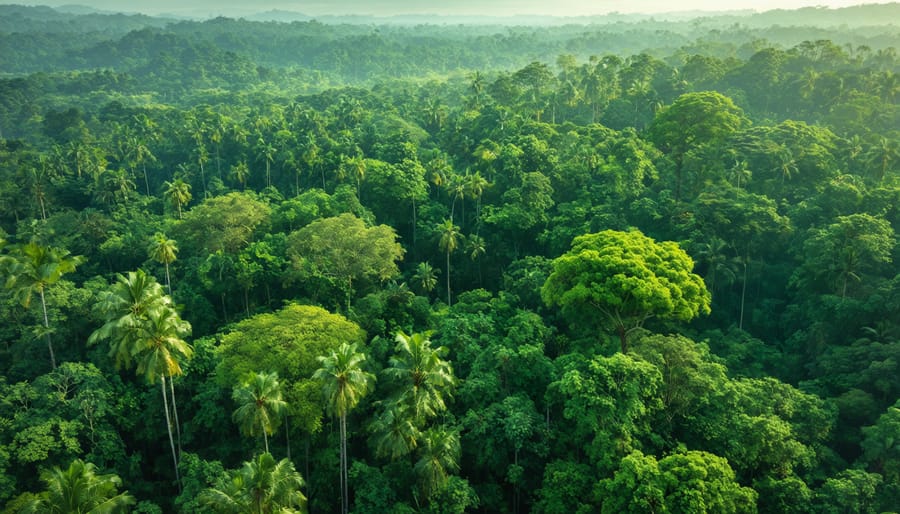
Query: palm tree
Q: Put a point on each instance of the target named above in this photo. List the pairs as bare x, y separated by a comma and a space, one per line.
266, 152
787, 165
740, 172
475, 186
457, 189
357, 167
141, 325
33, 268
882, 156
721, 269
139, 154
475, 248
241, 173
163, 250
344, 383
125, 307
178, 193
425, 378
261, 486
449, 242
159, 352
260, 405
425, 276
117, 186
395, 431
79, 488
438, 455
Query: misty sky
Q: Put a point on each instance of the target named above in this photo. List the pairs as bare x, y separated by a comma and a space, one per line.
483, 7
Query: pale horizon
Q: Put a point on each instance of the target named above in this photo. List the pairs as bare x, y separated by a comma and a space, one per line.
561, 8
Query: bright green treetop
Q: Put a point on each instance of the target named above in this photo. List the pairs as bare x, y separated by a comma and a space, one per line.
628, 278
79, 488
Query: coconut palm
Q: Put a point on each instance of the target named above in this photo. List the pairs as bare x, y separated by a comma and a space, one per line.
33, 268
241, 173
261, 486
178, 193
425, 277
344, 383
425, 378
449, 243
143, 327
159, 352
260, 405
883, 156
395, 432
438, 455
79, 488
124, 308
163, 250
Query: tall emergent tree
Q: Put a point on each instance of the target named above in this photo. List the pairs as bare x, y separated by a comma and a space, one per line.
344, 383
142, 326
345, 249
178, 193
163, 250
33, 268
627, 278
449, 241
694, 119
260, 404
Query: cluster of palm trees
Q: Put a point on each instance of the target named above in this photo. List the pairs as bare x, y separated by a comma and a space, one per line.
144, 330
422, 383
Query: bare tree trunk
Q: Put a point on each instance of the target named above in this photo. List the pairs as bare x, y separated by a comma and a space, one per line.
287, 435
168, 281
162, 385
345, 496
448, 278
175, 414
744, 290
47, 327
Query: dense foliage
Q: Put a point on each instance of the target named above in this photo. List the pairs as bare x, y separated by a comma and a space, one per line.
272, 267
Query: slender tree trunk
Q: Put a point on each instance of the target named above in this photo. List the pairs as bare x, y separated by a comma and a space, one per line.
175, 414
345, 496
203, 178
146, 180
168, 282
162, 384
414, 223
265, 440
623, 339
744, 290
247, 301
43, 210
47, 326
287, 435
448, 278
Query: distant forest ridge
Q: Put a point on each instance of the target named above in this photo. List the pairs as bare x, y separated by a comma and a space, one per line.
852, 16
44, 39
